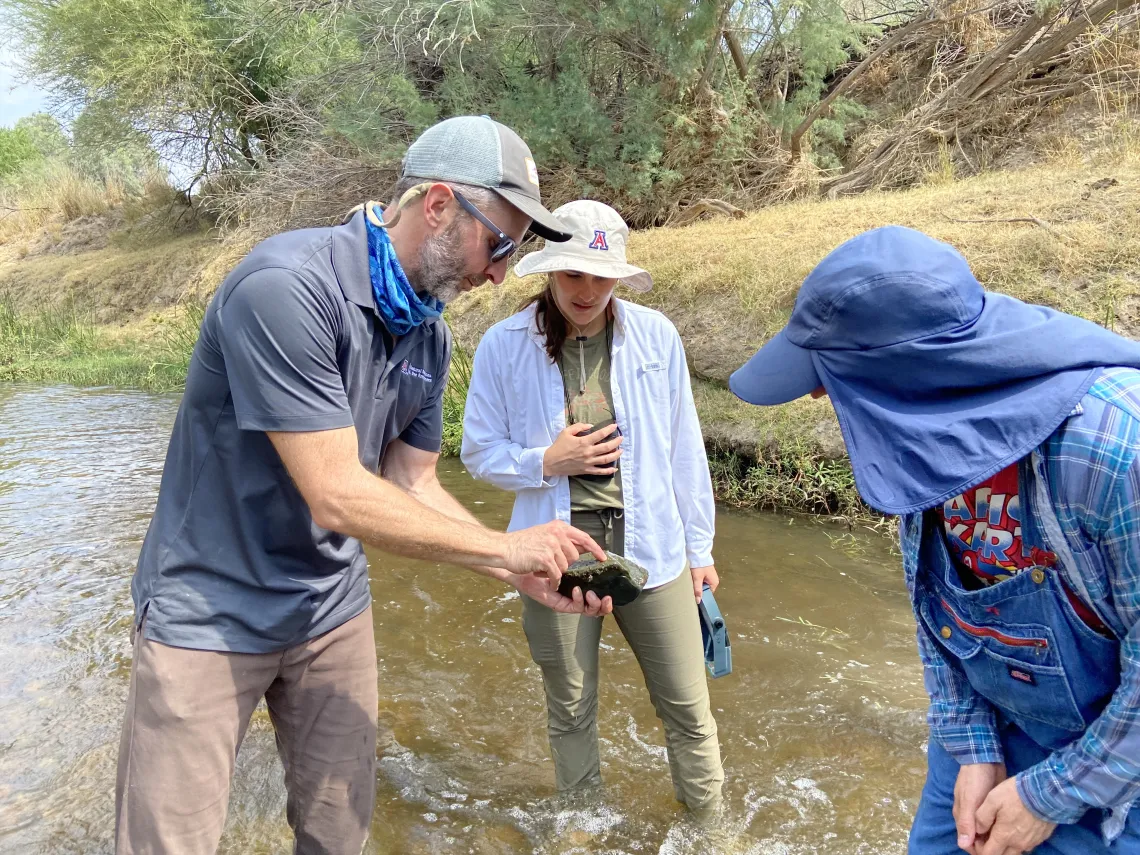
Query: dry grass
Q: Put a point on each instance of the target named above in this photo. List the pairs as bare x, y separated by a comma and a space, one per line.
729, 285
742, 275
47, 199
941, 104
55, 193
113, 282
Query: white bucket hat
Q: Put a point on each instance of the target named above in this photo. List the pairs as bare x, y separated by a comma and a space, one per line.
598, 236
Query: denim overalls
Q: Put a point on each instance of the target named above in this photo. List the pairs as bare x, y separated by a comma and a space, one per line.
1023, 648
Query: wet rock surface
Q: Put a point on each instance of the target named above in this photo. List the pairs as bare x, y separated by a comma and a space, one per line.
615, 577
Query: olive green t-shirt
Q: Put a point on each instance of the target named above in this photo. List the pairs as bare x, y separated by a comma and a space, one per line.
590, 400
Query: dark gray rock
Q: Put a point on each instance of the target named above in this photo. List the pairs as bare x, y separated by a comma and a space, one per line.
616, 577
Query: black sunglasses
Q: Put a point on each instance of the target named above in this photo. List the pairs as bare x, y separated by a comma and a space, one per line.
506, 246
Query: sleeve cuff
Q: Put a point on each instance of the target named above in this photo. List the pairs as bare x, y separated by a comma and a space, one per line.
1044, 794
973, 749
530, 465
700, 559
423, 442
296, 424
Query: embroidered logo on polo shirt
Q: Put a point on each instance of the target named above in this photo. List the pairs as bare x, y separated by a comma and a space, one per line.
413, 371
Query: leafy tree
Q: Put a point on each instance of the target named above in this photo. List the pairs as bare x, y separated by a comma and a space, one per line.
638, 101
45, 133
195, 74
105, 146
17, 150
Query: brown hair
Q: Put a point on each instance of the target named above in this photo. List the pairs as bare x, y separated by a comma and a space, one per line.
550, 320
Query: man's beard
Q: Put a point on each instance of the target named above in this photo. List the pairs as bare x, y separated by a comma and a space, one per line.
439, 268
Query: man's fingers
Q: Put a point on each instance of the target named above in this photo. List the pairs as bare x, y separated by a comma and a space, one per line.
964, 821
558, 561
593, 604
566, 556
578, 428
996, 845
984, 818
585, 543
597, 470
561, 603
573, 603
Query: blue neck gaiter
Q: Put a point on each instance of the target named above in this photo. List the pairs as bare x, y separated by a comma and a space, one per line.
399, 305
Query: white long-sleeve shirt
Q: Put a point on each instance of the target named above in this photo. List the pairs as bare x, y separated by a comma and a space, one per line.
515, 410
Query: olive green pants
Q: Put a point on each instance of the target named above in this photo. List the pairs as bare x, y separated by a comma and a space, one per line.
662, 628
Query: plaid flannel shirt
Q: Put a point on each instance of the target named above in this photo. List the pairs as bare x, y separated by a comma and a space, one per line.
1091, 469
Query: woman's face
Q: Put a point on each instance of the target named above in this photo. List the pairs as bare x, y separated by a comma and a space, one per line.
582, 298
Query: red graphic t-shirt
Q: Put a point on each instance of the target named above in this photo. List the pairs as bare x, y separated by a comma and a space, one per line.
983, 532
983, 529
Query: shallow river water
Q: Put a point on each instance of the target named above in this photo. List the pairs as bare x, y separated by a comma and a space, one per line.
821, 722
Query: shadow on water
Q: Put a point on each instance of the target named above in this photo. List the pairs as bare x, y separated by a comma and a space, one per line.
820, 724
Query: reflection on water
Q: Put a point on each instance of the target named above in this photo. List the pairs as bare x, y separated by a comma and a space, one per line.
820, 724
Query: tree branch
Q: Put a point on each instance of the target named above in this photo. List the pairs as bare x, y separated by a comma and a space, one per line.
1034, 220
824, 106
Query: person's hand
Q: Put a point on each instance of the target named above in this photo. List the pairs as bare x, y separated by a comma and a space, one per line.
547, 549
575, 452
975, 780
702, 575
543, 591
1009, 827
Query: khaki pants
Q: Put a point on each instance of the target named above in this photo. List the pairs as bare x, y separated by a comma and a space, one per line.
663, 631
188, 710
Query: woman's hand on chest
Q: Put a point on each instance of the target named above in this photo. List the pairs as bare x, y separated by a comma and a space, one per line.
576, 452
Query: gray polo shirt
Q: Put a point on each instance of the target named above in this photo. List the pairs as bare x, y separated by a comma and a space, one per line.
291, 342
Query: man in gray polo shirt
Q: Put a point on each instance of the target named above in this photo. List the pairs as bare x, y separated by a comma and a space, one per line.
321, 364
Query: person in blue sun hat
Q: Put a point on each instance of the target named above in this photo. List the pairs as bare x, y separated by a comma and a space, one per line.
1006, 436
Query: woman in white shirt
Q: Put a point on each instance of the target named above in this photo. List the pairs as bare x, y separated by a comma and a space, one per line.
575, 359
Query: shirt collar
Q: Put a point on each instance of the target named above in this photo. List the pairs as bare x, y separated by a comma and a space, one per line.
350, 262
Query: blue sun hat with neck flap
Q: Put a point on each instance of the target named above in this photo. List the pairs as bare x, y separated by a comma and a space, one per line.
938, 383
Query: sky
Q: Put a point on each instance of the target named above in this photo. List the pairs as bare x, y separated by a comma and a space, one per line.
16, 100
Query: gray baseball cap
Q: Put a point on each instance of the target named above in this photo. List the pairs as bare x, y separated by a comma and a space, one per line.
479, 151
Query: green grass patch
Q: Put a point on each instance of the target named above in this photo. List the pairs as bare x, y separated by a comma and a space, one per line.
804, 483
778, 458
454, 400
61, 345
787, 472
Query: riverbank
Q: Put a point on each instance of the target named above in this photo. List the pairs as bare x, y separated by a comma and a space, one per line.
64, 346
1065, 234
